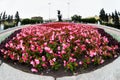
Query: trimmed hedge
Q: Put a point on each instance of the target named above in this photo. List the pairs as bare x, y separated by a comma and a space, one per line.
31, 21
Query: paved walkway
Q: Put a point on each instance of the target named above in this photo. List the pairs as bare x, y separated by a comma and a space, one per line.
108, 72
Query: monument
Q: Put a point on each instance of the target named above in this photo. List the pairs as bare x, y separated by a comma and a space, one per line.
59, 16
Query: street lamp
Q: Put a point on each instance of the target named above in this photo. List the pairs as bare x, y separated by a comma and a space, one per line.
49, 10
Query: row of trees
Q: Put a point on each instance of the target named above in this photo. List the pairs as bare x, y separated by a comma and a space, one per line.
9, 18
114, 16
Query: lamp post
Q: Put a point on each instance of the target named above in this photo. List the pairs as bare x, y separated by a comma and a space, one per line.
49, 4
68, 3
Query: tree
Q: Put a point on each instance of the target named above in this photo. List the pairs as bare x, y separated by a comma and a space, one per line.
113, 16
8, 19
76, 18
116, 19
106, 17
11, 18
17, 18
102, 14
4, 16
0, 18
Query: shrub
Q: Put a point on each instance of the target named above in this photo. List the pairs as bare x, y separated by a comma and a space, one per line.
31, 21
89, 20
25, 21
8, 25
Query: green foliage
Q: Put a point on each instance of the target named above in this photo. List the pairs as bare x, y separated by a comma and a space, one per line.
17, 17
76, 18
71, 66
116, 19
56, 66
8, 25
31, 21
89, 20
25, 21
102, 15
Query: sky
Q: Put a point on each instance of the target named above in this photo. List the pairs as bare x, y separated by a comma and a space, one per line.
48, 8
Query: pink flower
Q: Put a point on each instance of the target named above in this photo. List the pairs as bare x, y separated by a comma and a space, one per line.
47, 49
24, 57
72, 59
18, 47
65, 63
83, 47
92, 53
2, 50
58, 48
40, 49
37, 61
93, 60
54, 59
87, 41
12, 56
115, 56
45, 44
6, 45
105, 39
34, 70
34, 39
51, 62
43, 58
33, 63
24, 35
50, 51
53, 36
63, 52
77, 41
44, 65
64, 46
71, 37
80, 62
22, 47
102, 61
11, 44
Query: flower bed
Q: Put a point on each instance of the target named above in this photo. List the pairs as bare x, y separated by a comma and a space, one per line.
56, 45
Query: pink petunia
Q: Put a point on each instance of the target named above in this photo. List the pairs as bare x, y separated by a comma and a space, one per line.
6, 45
53, 36
33, 63
64, 46
87, 41
45, 44
80, 62
44, 65
83, 47
102, 61
58, 48
47, 49
65, 63
24, 57
54, 59
43, 58
71, 37
92, 53
51, 62
37, 61
34, 70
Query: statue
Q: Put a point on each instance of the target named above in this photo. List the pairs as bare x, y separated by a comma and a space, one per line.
59, 16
